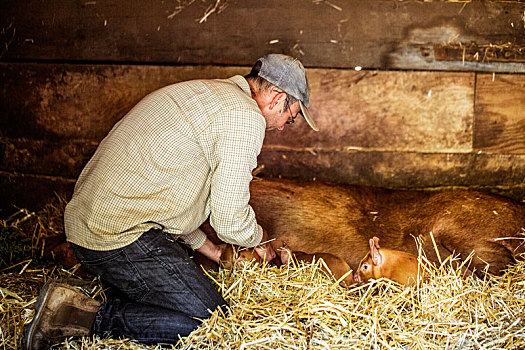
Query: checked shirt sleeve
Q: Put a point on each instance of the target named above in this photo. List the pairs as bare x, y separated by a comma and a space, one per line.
195, 239
239, 144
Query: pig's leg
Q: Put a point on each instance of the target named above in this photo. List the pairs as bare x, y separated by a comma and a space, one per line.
439, 253
499, 257
485, 252
435, 253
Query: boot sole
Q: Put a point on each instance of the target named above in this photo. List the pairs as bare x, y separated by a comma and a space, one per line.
40, 304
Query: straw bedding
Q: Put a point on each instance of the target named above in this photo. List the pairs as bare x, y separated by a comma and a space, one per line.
299, 307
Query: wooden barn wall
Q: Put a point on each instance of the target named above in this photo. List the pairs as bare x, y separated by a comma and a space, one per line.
439, 99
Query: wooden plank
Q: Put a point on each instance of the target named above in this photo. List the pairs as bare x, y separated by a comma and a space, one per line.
377, 128
374, 34
395, 110
500, 114
494, 172
397, 169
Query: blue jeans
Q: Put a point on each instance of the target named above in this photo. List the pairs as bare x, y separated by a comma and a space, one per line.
158, 293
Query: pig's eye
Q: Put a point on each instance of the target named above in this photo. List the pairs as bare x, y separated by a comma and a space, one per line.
365, 267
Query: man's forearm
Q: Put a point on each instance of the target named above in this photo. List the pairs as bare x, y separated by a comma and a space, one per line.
210, 250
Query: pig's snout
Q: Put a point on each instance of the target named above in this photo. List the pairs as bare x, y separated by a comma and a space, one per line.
357, 278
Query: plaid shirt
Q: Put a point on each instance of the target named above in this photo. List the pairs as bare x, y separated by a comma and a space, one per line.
183, 153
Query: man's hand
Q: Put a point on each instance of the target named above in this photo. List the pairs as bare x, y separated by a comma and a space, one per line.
211, 251
265, 250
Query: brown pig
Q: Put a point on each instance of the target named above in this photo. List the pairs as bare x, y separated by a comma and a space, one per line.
340, 219
337, 267
231, 256
395, 265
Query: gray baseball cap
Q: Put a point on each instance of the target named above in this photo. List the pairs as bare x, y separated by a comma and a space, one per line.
288, 74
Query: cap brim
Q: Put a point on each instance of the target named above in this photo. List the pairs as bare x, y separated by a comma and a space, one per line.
308, 117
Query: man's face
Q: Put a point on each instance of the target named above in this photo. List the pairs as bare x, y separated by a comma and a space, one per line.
278, 112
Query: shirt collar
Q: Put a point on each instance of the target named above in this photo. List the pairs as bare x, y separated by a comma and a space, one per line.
242, 84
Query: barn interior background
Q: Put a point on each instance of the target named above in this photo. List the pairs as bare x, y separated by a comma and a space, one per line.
407, 94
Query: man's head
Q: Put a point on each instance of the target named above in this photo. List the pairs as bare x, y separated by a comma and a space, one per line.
280, 87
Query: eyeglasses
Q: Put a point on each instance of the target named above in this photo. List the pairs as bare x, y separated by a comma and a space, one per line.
291, 118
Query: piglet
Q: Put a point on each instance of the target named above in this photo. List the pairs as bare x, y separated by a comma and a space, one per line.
337, 267
58, 249
231, 256
395, 265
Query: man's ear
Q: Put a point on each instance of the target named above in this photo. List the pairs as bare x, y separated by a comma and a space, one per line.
277, 98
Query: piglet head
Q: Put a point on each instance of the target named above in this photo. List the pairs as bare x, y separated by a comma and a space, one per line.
231, 256
248, 254
370, 263
228, 256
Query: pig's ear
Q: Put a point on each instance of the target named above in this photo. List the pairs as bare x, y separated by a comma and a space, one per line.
285, 256
374, 252
376, 241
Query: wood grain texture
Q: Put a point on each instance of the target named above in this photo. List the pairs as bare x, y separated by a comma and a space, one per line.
406, 111
396, 169
375, 34
59, 101
500, 114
